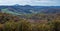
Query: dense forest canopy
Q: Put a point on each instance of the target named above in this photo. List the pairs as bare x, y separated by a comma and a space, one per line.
32, 22
29, 18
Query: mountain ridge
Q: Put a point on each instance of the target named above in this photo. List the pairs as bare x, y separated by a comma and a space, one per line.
27, 9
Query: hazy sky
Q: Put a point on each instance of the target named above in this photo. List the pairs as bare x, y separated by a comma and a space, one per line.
31, 2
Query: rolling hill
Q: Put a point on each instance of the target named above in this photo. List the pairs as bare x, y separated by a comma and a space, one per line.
27, 9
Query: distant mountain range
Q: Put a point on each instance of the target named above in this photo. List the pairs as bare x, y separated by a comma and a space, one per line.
27, 9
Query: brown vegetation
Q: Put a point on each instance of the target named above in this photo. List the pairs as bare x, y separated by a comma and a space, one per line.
13, 23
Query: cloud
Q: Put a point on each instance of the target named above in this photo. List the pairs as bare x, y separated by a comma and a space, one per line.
23, 2
31, 2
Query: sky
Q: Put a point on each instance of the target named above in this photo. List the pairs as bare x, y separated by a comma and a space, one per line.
31, 2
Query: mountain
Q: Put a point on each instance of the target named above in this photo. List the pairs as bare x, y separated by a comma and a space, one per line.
27, 9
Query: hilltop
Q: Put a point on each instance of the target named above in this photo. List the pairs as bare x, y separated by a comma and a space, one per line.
27, 9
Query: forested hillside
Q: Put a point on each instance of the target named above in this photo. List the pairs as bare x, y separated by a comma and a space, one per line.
33, 22
27, 9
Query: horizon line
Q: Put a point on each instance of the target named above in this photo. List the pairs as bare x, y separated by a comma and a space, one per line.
27, 5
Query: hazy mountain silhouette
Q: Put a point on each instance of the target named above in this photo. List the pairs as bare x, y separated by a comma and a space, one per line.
27, 9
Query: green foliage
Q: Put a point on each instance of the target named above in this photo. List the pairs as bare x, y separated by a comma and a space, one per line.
10, 23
